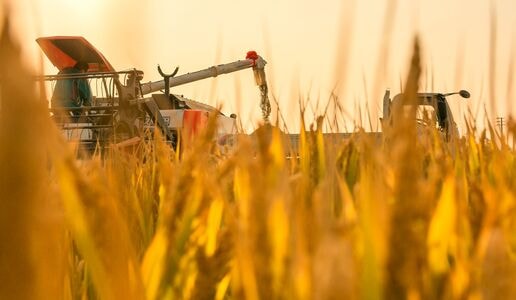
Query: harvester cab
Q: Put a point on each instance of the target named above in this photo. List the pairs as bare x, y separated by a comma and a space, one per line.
123, 107
432, 109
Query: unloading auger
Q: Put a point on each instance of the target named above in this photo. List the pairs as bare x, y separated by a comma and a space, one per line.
252, 60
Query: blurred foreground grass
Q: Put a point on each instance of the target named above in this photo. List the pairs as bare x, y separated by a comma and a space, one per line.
411, 218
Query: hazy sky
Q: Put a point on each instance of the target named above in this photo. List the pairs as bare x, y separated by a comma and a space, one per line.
309, 45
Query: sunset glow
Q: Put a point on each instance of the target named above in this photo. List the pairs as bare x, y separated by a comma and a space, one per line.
302, 42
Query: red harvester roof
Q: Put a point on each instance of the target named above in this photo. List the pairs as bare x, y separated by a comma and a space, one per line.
65, 51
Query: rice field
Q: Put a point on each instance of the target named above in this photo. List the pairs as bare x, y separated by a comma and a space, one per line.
411, 217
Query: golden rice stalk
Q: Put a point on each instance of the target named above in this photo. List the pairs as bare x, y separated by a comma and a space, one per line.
33, 245
407, 257
442, 238
244, 274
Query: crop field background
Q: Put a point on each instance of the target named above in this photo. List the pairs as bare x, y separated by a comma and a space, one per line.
407, 217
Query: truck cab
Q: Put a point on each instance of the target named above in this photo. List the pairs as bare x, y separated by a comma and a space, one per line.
432, 110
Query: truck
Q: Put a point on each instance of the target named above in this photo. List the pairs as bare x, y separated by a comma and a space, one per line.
429, 107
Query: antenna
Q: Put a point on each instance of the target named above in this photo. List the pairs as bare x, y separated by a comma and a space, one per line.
500, 122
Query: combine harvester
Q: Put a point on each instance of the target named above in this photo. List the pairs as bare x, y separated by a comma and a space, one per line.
123, 106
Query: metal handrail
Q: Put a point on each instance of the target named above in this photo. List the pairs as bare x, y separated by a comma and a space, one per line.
86, 75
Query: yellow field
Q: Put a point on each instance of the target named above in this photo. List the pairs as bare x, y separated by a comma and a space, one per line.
410, 218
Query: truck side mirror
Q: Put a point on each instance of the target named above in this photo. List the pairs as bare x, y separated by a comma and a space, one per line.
464, 94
